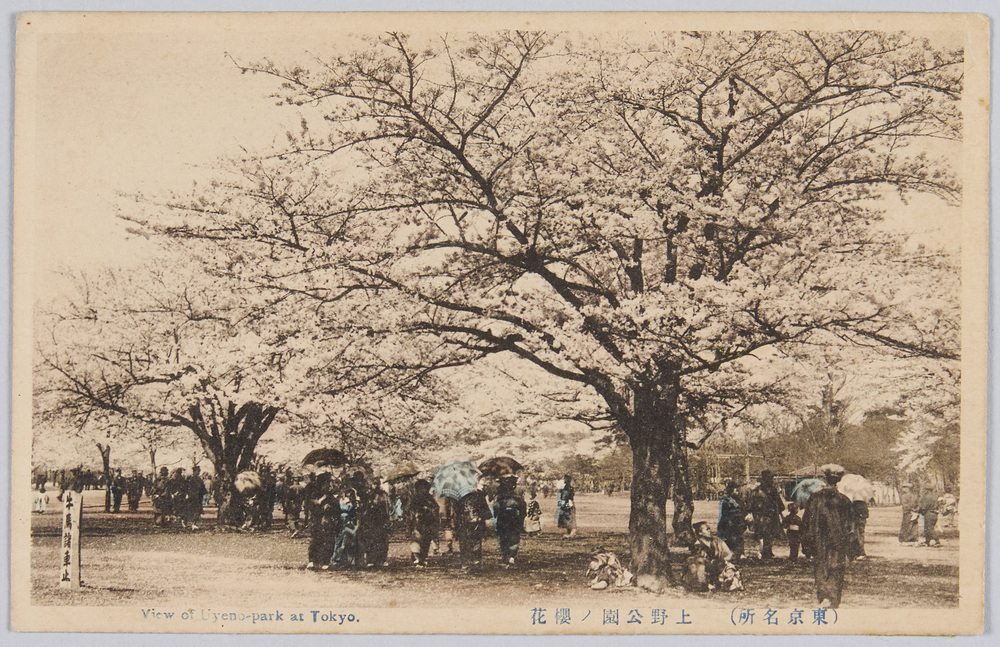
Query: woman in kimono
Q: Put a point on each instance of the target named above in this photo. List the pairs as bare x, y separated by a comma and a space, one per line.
566, 507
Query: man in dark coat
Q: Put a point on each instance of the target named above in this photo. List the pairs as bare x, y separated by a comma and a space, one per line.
161, 498
291, 503
133, 490
766, 507
194, 495
731, 524
828, 523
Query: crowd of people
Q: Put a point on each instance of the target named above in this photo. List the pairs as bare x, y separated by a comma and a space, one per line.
349, 517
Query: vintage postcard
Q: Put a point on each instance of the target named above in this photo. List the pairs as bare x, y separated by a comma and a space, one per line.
500, 323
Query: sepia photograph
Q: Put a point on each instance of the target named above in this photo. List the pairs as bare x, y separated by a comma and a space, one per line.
633, 323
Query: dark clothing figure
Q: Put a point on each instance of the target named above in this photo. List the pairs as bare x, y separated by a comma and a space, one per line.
566, 508
345, 549
471, 516
909, 529
117, 491
374, 528
291, 504
927, 508
731, 524
509, 511
792, 523
161, 499
859, 519
423, 519
766, 507
134, 486
324, 517
828, 524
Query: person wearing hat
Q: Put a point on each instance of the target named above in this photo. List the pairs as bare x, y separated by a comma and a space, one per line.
827, 522
909, 528
509, 511
766, 507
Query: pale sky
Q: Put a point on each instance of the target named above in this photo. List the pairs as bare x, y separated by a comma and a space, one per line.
140, 108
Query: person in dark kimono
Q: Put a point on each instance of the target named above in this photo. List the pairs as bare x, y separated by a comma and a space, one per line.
828, 523
909, 529
472, 518
161, 498
291, 504
792, 523
324, 518
423, 519
177, 491
377, 526
566, 507
859, 519
345, 549
509, 511
766, 507
732, 522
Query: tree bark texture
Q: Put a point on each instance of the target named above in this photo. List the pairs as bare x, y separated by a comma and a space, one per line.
229, 435
651, 436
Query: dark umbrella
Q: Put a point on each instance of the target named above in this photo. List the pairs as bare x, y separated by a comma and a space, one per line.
327, 456
455, 479
402, 472
804, 489
500, 466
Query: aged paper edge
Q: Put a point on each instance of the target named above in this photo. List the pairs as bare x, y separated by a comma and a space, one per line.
967, 618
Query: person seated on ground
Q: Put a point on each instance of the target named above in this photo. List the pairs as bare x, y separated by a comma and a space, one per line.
710, 565
606, 571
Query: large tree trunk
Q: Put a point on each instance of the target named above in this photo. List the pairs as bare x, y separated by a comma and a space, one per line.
229, 436
652, 438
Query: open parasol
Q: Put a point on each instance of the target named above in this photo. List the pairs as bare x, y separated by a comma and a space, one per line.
804, 489
500, 466
402, 472
856, 487
248, 480
455, 479
326, 457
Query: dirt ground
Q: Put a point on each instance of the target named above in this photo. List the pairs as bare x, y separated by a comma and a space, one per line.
127, 561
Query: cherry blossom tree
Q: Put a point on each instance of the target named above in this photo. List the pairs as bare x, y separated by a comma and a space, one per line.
650, 216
